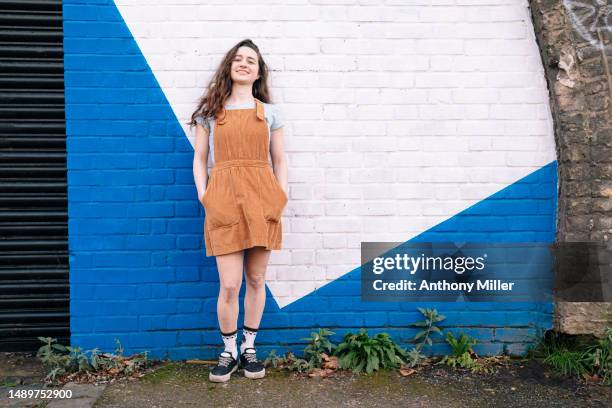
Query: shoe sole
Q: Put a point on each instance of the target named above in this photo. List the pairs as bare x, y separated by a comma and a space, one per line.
222, 378
254, 376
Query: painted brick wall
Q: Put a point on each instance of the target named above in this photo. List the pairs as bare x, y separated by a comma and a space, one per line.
403, 121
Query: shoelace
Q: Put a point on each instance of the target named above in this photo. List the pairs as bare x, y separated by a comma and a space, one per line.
224, 361
251, 357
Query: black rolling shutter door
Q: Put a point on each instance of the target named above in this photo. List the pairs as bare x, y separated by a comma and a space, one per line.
34, 287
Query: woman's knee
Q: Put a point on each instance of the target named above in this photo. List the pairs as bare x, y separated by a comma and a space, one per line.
256, 279
229, 290
230, 268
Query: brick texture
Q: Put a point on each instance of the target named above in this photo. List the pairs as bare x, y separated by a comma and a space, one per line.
576, 48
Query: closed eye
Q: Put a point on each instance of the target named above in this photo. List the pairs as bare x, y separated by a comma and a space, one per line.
249, 60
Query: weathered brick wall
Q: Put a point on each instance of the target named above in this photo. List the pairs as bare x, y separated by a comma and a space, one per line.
404, 121
575, 40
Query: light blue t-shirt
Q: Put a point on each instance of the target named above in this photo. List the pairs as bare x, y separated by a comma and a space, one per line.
272, 114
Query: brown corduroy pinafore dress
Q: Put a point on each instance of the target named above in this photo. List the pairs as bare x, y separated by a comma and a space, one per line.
243, 200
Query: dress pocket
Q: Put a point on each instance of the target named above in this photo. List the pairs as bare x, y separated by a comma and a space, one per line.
206, 190
220, 203
278, 186
274, 197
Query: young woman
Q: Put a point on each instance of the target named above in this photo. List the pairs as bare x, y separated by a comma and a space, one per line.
245, 196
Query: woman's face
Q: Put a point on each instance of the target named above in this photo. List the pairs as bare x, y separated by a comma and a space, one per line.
245, 66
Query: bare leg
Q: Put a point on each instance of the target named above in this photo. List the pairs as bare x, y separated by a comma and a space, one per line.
230, 268
255, 276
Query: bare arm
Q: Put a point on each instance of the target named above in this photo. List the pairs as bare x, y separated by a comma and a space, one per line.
200, 160
279, 160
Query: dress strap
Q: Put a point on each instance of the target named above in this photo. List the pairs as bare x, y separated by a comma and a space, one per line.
259, 109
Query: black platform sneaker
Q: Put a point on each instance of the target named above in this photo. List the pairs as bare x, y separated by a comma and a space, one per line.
252, 367
225, 367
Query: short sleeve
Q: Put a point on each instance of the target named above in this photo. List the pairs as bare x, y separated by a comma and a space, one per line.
277, 118
203, 122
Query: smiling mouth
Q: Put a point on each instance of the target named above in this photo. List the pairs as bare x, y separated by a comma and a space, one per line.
244, 72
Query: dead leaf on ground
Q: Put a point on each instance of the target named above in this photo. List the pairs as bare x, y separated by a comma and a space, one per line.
321, 373
331, 363
406, 371
591, 378
426, 362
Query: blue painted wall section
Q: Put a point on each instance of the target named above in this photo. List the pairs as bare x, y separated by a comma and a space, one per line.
138, 269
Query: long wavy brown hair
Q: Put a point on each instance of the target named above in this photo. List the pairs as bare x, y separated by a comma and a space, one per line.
219, 89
